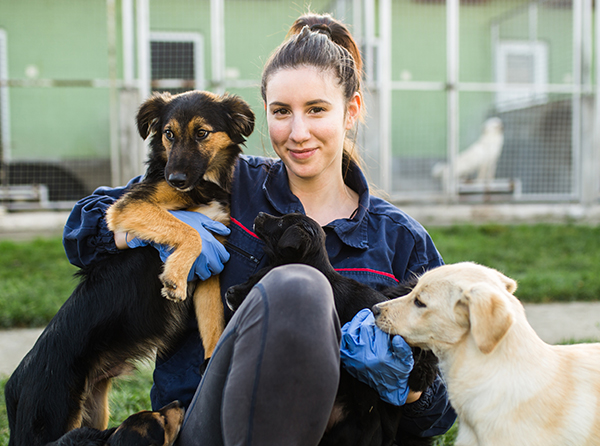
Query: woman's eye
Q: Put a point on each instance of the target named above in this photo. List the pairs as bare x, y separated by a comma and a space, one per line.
169, 135
280, 111
315, 110
419, 304
202, 134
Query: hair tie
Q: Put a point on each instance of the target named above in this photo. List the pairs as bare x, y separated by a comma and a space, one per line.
321, 28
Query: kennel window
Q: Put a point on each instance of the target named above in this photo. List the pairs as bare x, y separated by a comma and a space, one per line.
521, 65
177, 61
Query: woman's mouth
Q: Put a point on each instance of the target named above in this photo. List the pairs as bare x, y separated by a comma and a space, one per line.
301, 154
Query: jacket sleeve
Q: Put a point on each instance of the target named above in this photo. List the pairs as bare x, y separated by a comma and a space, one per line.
430, 415
86, 237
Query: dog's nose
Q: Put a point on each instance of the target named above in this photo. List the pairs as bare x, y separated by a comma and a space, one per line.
376, 311
177, 180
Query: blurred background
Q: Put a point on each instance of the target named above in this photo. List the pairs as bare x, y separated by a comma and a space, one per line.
73, 72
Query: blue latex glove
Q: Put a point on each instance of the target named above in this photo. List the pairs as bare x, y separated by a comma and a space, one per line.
214, 255
376, 358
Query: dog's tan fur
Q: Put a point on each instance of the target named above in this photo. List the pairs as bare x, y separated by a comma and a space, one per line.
150, 220
508, 386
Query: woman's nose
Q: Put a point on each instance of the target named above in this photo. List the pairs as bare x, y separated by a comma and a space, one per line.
300, 131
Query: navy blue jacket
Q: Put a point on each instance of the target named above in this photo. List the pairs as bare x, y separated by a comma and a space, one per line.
378, 246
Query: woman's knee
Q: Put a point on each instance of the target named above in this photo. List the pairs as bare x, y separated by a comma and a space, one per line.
298, 287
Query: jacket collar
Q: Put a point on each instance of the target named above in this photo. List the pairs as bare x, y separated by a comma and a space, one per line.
351, 231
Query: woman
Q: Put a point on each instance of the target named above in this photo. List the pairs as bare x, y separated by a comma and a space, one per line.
273, 376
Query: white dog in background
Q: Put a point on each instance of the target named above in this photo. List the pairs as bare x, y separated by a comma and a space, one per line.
480, 158
508, 387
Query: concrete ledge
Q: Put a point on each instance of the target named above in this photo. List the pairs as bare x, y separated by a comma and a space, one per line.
526, 213
559, 322
25, 225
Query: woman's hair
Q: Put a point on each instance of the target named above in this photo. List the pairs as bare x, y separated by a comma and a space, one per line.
323, 42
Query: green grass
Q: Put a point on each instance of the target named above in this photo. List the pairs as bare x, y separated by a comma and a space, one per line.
551, 263
129, 394
35, 280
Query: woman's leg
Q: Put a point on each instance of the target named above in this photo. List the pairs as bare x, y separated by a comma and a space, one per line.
274, 374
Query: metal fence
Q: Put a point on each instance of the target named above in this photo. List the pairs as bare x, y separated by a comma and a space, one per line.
73, 73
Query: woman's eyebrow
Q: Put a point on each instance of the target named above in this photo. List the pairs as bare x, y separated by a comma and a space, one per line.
309, 103
318, 101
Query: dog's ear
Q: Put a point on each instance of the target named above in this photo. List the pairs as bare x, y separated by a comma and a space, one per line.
150, 112
291, 238
510, 284
489, 315
242, 117
309, 228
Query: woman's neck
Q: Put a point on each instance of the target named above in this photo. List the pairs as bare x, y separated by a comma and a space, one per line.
325, 201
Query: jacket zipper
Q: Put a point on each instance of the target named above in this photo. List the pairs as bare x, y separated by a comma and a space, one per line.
242, 252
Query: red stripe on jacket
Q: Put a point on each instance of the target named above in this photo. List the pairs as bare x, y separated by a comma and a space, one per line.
233, 220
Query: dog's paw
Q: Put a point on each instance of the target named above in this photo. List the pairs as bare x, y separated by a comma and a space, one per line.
173, 290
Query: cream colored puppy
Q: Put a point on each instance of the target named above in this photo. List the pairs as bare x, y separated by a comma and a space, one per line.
508, 386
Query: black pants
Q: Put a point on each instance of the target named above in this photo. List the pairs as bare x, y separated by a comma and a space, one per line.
273, 377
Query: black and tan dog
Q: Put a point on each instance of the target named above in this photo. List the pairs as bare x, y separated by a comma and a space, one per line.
146, 428
117, 314
359, 416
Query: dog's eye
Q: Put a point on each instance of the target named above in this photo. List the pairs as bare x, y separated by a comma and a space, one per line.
202, 134
169, 135
419, 304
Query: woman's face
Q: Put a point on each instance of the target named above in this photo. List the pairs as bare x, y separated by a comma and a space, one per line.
308, 118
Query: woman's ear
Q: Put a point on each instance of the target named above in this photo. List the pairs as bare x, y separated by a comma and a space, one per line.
353, 110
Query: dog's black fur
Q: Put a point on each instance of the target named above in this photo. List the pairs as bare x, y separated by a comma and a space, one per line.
366, 419
146, 428
117, 314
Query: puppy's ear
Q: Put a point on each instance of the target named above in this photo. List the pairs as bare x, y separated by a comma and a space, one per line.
242, 117
489, 314
291, 238
150, 112
510, 284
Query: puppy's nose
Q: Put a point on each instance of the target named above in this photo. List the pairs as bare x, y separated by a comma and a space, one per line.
376, 311
177, 180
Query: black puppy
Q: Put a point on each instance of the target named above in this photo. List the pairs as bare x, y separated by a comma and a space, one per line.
362, 418
146, 428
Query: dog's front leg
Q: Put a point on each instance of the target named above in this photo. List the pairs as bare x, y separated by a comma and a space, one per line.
209, 313
150, 221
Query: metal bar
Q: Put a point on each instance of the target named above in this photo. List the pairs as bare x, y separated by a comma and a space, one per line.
487, 87
385, 100
143, 47
357, 26
588, 165
369, 39
115, 158
452, 70
533, 21
596, 138
128, 27
576, 100
217, 44
5, 149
